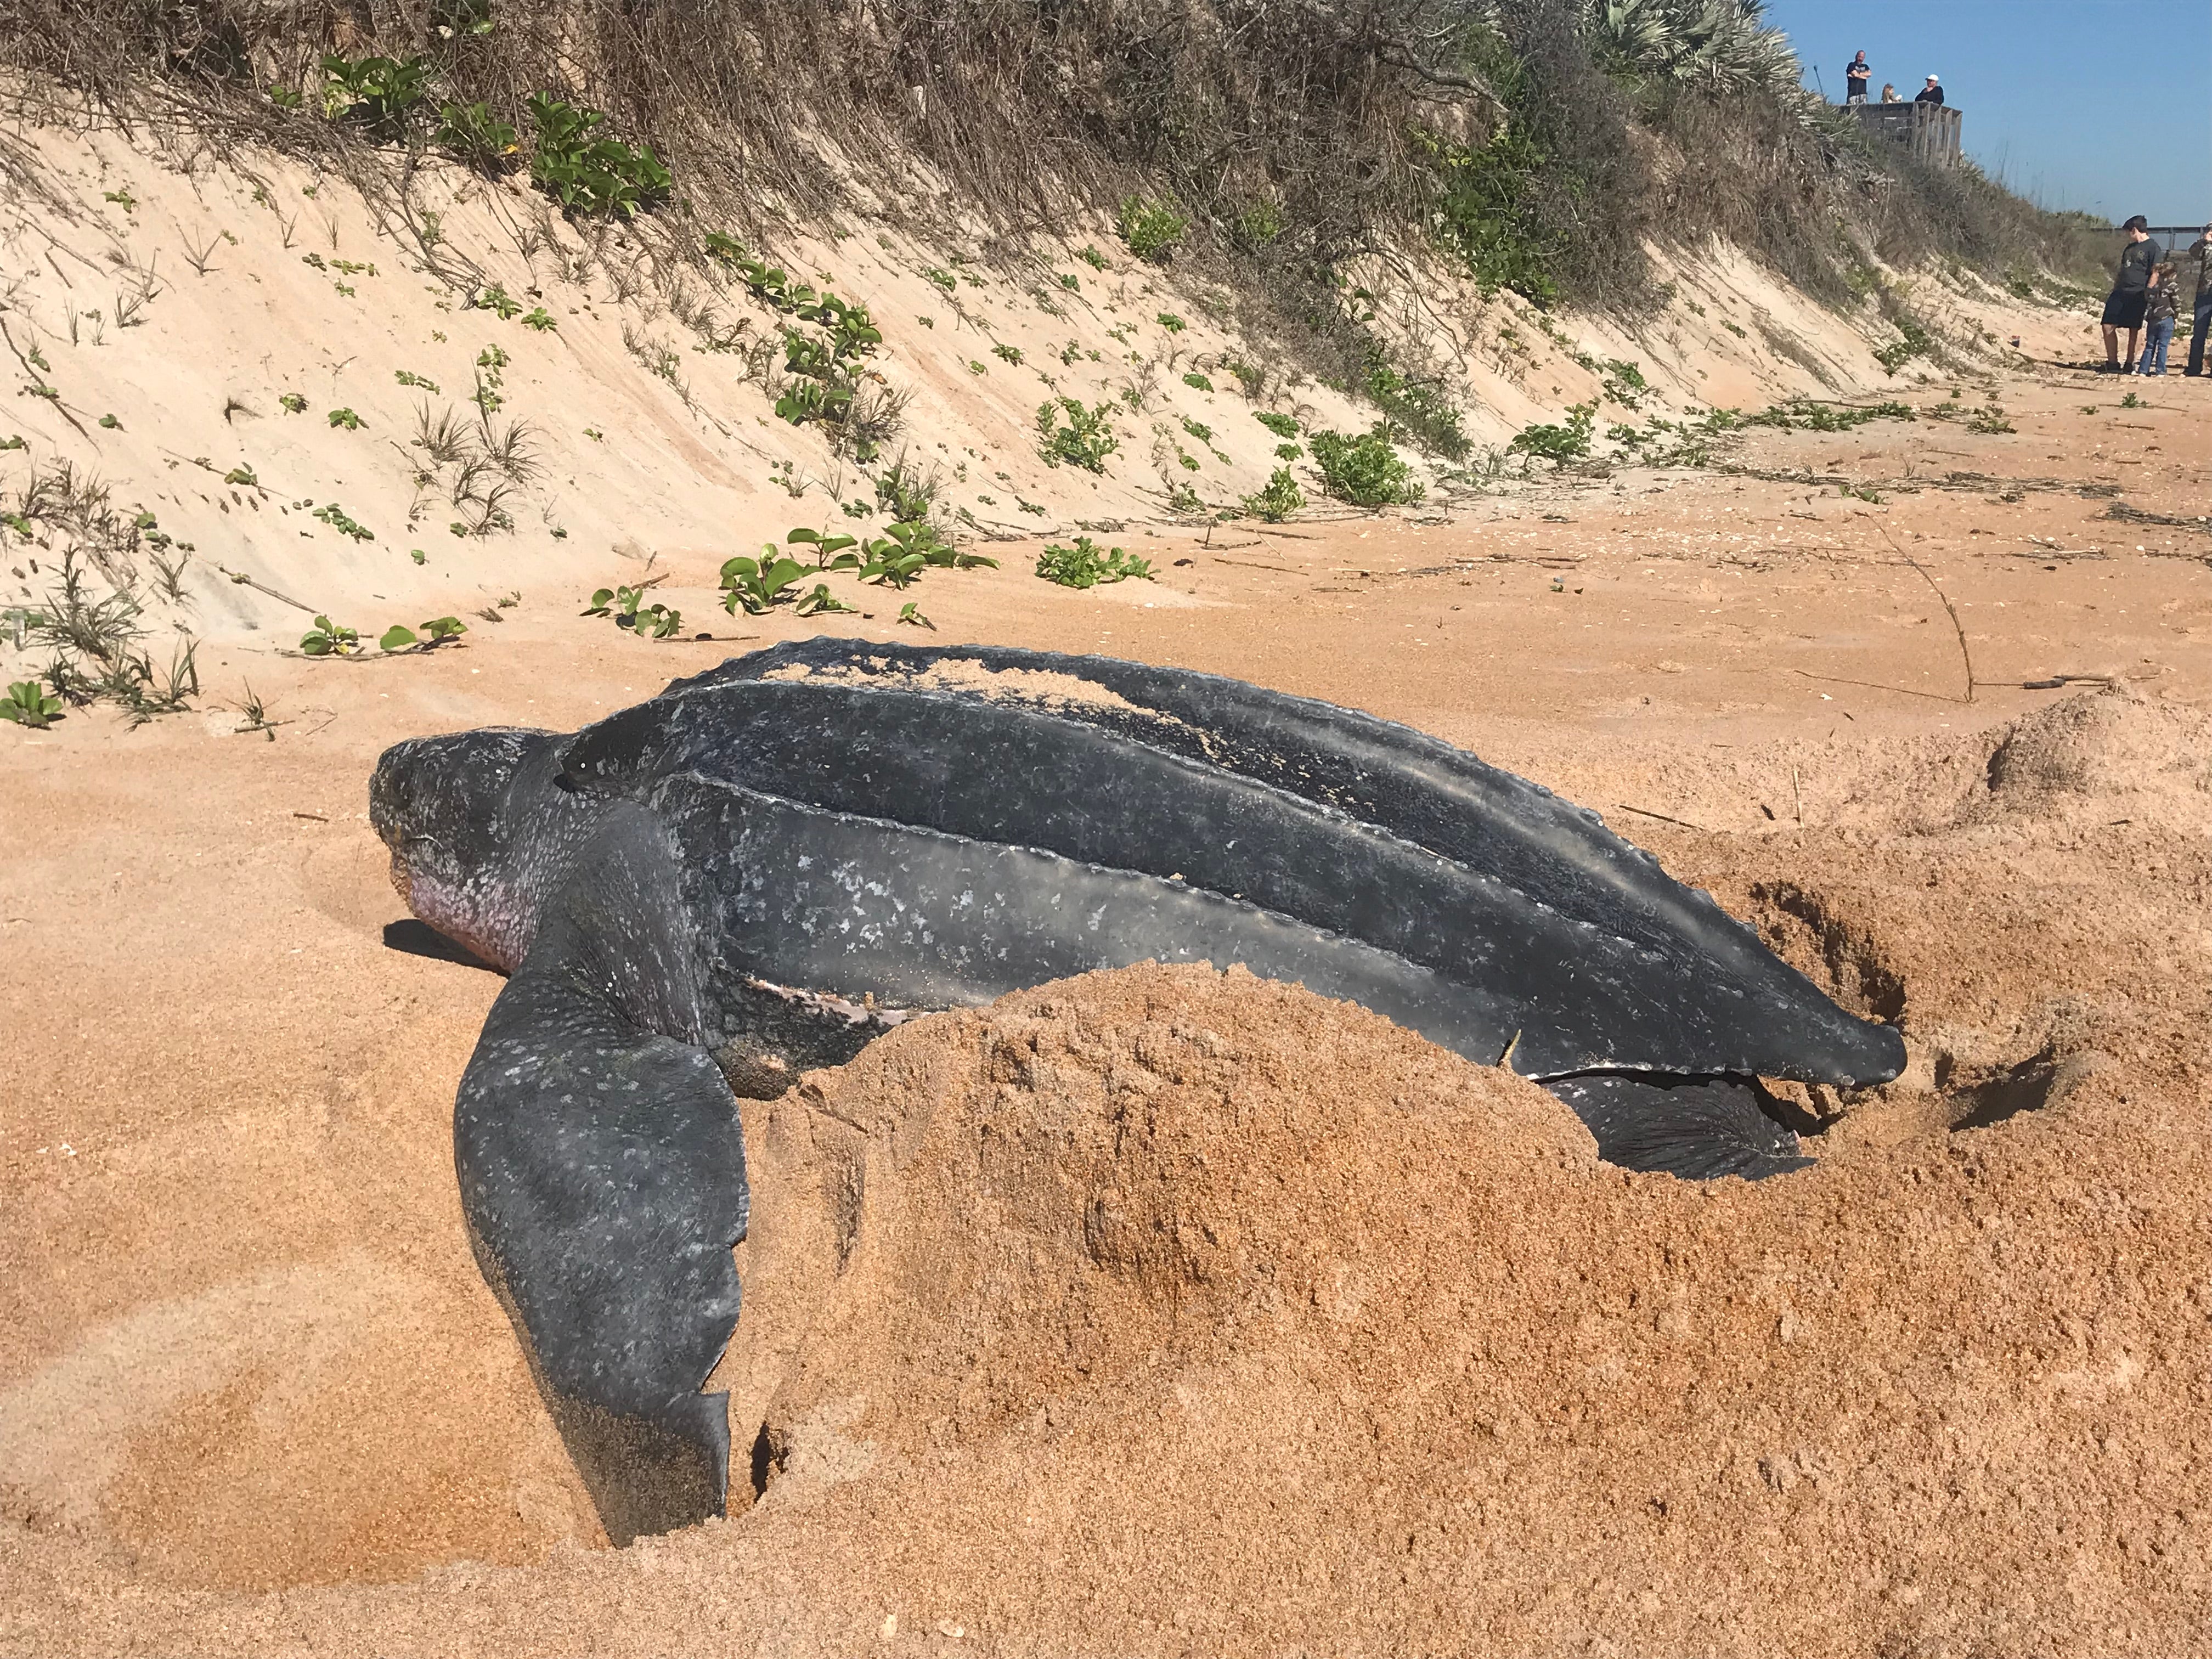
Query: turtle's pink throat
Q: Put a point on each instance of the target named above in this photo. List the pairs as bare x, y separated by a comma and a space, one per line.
477, 916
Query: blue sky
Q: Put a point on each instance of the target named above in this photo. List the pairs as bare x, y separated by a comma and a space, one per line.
2100, 104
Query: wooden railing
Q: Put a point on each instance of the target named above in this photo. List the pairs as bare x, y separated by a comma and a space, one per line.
1929, 131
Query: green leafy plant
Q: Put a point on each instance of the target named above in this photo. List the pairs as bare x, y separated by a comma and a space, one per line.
1288, 452
292, 403
408, 377
477, 136
1087, 565
1075, 434
1558, 444
1912, 342
1281, 425
1198, 382
910, 614
27, 704
1071, 282
1624, 383
626, 605
378, 92
496, 299
1091, 257
439, 630
1803, 415
242, 475
1169, 321
1365, 470
539, 320
346, 418
586, 171
1281, 498
111, 423
328, 639
123, 199
1007, 354
758, 585
335, 516
2131, 402
1485, 205
1151, 228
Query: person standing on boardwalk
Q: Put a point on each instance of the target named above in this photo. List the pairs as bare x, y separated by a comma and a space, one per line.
1857, 73
2201, 250
2125, 305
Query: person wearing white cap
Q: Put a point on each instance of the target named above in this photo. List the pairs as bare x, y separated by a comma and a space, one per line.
1932, 93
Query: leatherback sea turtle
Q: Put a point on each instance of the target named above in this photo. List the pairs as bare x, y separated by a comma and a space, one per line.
761, 868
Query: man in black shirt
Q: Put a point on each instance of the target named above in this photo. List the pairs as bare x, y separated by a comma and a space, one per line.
2124, 305
1856, 73
1930, 93
2201, 250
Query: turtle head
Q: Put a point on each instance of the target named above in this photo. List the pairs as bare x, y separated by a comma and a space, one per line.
467, 818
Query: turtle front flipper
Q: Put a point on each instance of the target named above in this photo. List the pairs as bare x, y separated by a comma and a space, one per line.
602, 1173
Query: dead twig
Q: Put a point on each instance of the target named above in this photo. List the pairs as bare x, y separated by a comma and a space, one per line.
1645, 812
1949, 610
245, 581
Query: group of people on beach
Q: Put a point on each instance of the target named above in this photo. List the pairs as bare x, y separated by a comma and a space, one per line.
1857, 73
2145, 300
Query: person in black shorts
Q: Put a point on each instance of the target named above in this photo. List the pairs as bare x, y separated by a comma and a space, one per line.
1857, 73
2124, 307
2201, 250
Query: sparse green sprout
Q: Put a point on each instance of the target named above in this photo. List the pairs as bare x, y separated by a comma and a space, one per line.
1091, 257
327, 639
13, 441
975, 367
910, 613
2131, 402
346, 418
16, 522
122, 198
501, 304
1198, 382
292, 403
1365, 470
437, 631
1151, 227
408, 377
1075, 434
540, 320
27, 704
1007, 354
1281, 498
1281, 425
418, 555
1169, 321
819, 600
111, 423
652, 621
1068, 280
1087, 565
944, 279
335, 516
595, 435
1197, 429
242, 475
1288, 452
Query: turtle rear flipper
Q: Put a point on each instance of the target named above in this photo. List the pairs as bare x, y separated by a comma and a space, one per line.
602, 1171
1698, 1127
